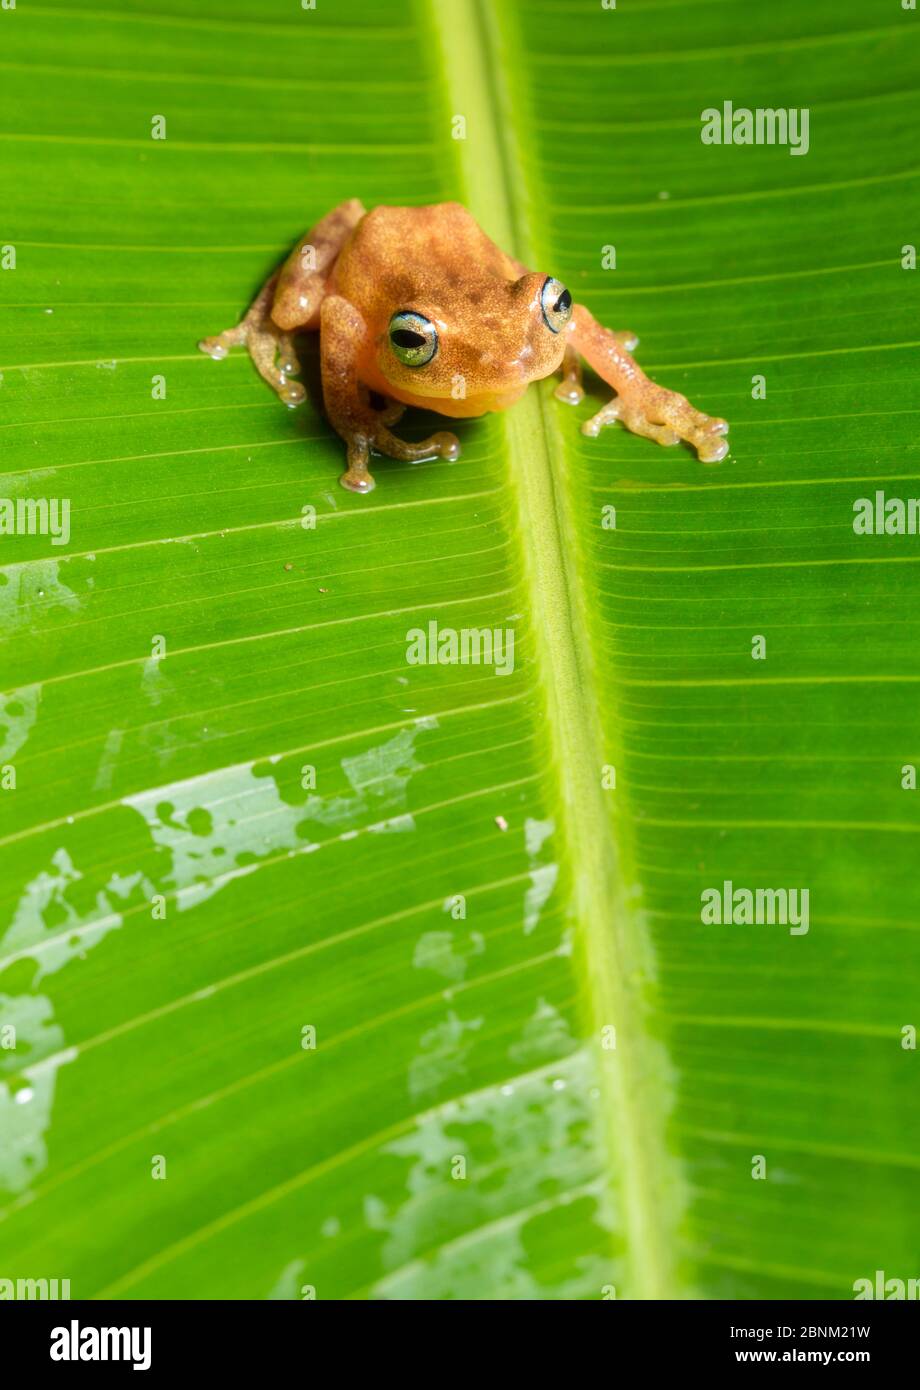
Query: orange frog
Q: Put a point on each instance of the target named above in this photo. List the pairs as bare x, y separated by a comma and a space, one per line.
418, 307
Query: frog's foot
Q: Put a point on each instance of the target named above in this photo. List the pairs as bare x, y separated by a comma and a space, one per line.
357, 477
270, 347
288, 361
644, 408
666, 417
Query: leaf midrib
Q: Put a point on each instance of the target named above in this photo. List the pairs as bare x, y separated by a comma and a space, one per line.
614, 947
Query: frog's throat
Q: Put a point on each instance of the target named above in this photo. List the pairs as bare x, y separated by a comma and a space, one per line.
458, 408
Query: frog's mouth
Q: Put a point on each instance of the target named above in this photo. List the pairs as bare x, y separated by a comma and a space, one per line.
458, 408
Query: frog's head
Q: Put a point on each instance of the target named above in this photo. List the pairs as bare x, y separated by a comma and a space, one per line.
474, 345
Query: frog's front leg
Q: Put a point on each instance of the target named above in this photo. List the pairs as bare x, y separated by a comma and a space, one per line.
289, 300
343, 336
270, 347
643, 407
570, 388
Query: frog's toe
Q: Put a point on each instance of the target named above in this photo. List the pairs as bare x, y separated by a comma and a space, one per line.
292, 393
711, 443
216, 347
356, 477
705, 433
357, 481
288, 361
570, 389
572, 392
713, 453
605, 416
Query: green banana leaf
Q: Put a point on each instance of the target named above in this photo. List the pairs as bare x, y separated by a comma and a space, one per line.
327, 974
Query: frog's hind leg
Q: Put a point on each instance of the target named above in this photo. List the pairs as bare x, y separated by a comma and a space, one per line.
290, 300
303, 280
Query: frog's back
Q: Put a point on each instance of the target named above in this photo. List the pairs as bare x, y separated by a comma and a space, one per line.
396, 247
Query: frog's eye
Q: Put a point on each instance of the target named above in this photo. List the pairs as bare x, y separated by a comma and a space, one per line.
413, 338
556, 303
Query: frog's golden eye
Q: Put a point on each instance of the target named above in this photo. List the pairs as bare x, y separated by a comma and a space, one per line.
413, 338
556, 303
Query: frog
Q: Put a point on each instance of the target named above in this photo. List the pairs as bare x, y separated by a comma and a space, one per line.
417, 306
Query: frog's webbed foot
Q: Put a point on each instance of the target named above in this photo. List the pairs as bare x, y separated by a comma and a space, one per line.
643, 407
665, 416
270, 347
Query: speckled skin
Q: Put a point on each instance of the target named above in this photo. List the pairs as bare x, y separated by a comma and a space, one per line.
354, 270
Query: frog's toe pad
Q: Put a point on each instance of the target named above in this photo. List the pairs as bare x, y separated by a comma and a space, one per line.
214, 347
714, 450
708, 438
292, 393
569, 391
357, 482
447, 445
605, 416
